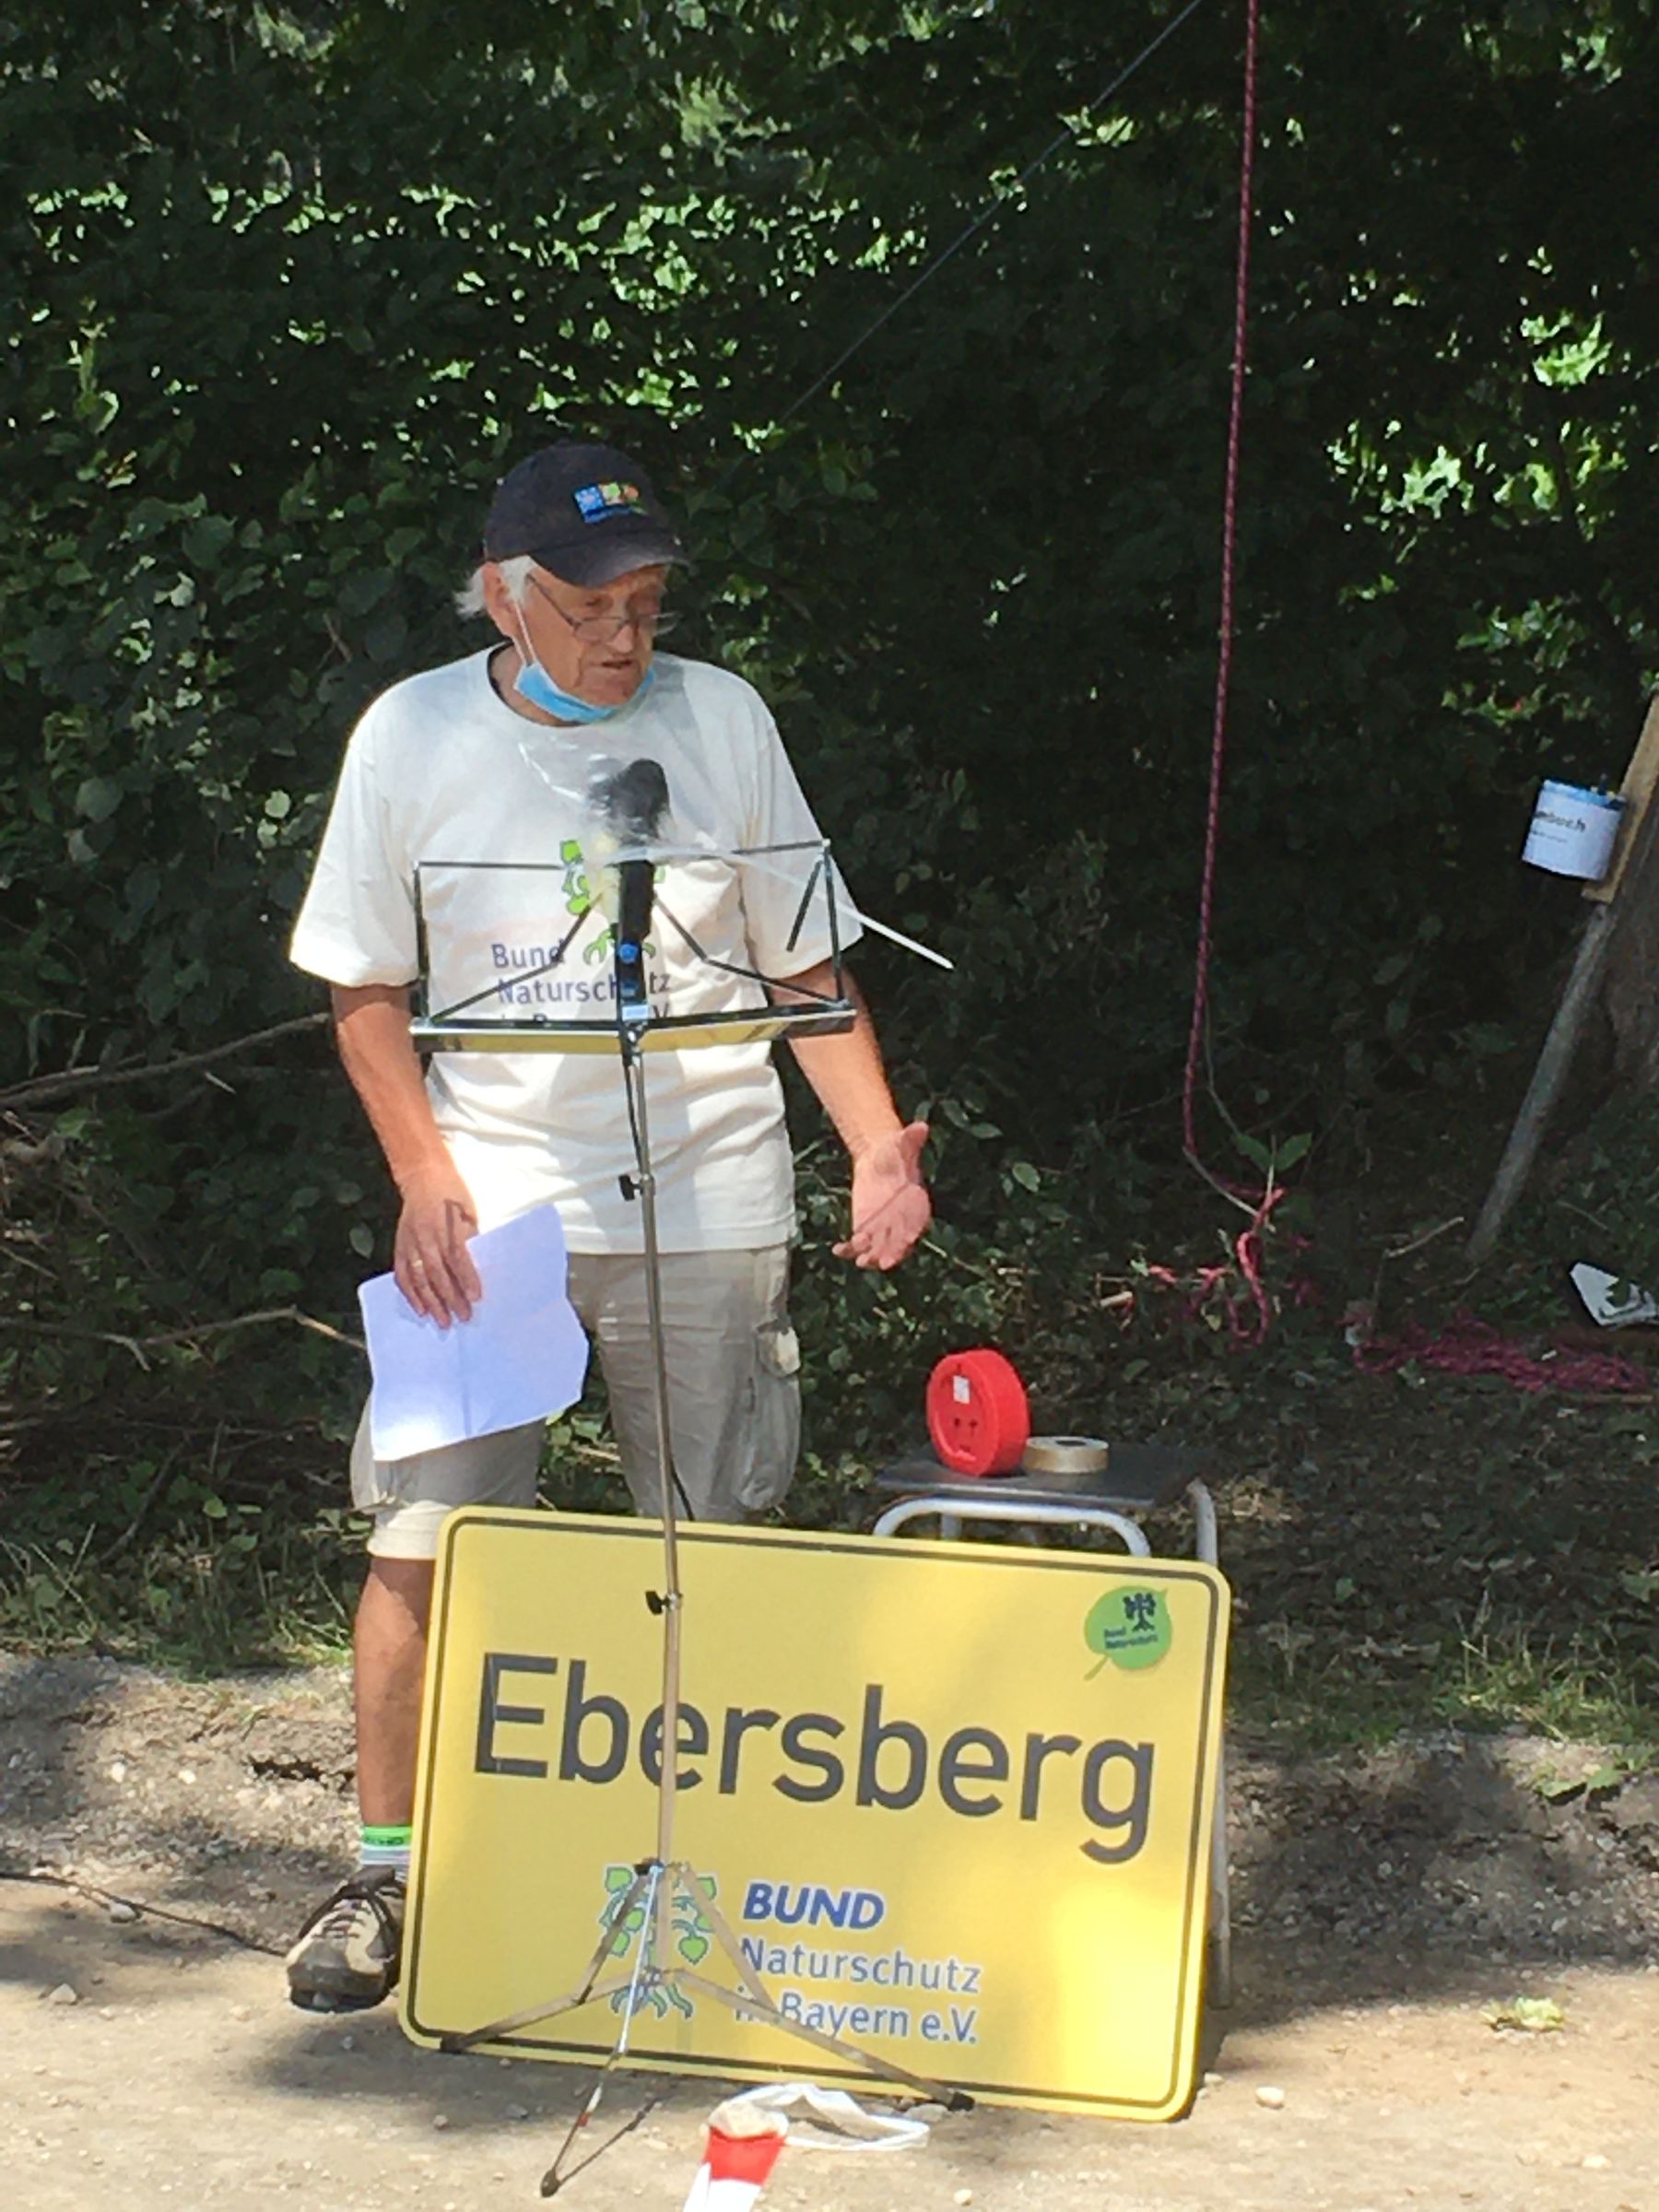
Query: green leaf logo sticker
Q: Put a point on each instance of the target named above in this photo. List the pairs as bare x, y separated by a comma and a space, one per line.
1130, 1628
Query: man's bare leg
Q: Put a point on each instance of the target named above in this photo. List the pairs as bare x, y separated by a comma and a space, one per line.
348, 1953
390, 1649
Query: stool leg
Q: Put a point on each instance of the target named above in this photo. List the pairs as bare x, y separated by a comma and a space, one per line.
1220, 1920
1204, 1523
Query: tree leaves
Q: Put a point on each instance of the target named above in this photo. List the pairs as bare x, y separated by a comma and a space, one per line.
288, 287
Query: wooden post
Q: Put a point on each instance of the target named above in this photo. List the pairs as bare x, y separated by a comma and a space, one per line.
1640, 780
1548, 1077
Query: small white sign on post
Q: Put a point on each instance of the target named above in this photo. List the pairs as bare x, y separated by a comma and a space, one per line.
1574, 832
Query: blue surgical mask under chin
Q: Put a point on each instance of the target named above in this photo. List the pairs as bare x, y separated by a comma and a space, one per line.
534, 683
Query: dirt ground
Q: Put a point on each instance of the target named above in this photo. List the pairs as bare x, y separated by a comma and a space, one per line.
1383, 1900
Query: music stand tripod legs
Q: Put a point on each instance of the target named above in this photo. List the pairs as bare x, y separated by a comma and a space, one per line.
663, 1882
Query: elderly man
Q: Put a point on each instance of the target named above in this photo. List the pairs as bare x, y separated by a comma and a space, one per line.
488, 760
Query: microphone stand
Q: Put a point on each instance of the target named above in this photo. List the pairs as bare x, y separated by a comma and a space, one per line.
633, 1012
662, 1881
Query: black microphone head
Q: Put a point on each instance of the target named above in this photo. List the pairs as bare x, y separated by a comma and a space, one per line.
632, 800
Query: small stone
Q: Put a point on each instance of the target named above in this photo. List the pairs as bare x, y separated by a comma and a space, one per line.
1271, 2097
118, 1771
518, 2111
187, 1775
1594, 2162
121, 1912
63, 1994
241, 2012
962, 2196
1212, 2081
349, 2042
439, 2119
106, 2012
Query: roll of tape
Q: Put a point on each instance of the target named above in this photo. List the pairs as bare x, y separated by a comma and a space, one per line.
977, 1414
1067, 1455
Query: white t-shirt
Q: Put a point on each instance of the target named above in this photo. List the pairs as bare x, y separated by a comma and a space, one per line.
439, 776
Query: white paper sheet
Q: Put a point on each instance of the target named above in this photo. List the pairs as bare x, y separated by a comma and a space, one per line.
1598, 1288
523, 1357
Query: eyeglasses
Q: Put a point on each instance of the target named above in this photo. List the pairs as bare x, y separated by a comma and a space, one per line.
599, 630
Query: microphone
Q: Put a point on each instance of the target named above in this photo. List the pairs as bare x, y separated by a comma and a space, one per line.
632, 802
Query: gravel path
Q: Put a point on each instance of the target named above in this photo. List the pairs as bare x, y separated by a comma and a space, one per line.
1384, 1901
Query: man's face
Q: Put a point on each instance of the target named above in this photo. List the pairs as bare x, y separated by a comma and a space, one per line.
594, 642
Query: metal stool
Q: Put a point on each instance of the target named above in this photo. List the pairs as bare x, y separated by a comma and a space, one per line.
1140, 1479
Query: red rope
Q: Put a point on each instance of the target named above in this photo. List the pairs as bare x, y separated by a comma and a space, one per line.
1211, 1284
1474, 1348
1468, 1347
1229, 543
1250, 1315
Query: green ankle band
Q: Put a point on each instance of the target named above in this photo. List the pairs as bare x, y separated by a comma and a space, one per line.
392, 1838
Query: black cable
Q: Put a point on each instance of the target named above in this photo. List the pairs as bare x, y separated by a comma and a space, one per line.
987, 215
747, 975
552, 2182
546, 967
799, 923
134, 1904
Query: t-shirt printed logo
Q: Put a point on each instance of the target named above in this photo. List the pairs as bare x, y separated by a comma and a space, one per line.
523, 974
597, 503
578, 897
578, 900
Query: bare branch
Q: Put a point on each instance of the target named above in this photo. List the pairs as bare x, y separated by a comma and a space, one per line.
138, 1345
1402, 1251
70, 1080
1398, 1252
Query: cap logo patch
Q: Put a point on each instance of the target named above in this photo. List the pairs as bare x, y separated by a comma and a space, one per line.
597, 503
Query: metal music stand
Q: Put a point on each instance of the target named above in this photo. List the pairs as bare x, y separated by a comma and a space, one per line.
661, 1881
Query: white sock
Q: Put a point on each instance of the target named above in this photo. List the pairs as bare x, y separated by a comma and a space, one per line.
384, 1847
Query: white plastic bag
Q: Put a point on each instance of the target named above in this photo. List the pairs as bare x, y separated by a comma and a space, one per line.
842, 2123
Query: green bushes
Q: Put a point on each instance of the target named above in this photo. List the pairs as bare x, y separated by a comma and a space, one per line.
286, 286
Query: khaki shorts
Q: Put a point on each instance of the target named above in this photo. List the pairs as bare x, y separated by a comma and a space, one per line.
734, 1401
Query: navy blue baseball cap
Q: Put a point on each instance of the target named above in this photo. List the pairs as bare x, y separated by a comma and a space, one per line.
585, 512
